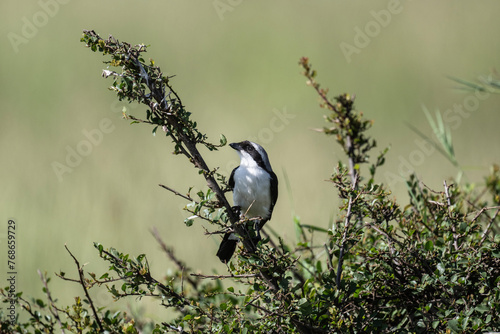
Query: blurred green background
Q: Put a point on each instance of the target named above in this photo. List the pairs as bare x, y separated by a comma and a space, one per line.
236, 70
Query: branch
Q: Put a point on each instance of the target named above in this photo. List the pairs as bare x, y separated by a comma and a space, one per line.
175, 192
448, 202
170, 253
224, 276
487, 229
52, 307
166, 110
343, 243
82, 283
35, 315
391, 239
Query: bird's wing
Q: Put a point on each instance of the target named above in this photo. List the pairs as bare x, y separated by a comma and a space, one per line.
231, 179
274, 192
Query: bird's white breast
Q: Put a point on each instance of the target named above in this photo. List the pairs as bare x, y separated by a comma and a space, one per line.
252, 191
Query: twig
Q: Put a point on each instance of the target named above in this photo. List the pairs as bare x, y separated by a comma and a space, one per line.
301, 326
49, 328
52, 307
90, 283
267, 311
296, 273
170, 253
391, 239
350, 153
82, 283
177, 193
487, 229
453, 227
342, 245
480, 212
329, 263
223, 276
446, 187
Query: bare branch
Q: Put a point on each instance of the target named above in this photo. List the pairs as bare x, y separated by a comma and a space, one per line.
170, 253
223, 276
177, 193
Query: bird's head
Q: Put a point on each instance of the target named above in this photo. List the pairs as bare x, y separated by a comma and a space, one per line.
252, 154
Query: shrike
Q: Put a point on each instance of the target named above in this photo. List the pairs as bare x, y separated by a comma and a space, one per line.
255, 191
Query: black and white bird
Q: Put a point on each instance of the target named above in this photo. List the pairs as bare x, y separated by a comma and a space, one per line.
255, 191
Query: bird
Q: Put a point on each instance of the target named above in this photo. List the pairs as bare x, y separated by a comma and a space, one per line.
255, 192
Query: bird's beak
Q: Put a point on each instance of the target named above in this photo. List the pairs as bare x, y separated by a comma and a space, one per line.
235, 146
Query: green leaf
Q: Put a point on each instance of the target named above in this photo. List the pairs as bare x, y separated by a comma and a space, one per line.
314, 228
189, 222
223, 140
483, 308
454, 325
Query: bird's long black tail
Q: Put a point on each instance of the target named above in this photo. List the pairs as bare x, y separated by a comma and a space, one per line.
227, 247
230, 240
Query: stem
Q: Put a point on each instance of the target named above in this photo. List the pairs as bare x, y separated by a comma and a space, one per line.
52, 307
487, 229
85, 290
223, 276
453, 227
343, 243
171, 255
175, 192
343, 119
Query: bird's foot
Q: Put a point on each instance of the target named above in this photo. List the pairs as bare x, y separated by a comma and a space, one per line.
237, 210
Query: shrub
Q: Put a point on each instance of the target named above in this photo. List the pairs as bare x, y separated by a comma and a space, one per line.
432, 265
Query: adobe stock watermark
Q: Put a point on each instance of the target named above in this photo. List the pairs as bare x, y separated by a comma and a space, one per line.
75, 155
225, 6
407, 164
31, 25
363, 36
452, 118
277, 123
92, 138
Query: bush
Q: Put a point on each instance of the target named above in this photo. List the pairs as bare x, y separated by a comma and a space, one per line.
430, 266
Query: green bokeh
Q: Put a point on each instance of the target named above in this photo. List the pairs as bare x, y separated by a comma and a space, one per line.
236, 72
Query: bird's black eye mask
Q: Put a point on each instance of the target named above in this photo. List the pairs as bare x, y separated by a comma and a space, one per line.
257, 157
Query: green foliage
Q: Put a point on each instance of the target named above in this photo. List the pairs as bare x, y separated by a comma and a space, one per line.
430, 266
